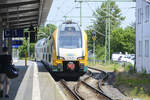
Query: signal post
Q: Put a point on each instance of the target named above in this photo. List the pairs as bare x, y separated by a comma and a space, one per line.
94, 39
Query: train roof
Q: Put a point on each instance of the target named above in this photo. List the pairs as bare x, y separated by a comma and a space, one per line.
69, 22
69, 26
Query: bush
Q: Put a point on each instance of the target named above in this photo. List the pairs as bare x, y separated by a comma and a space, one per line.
130, 68
100, 52
23, 48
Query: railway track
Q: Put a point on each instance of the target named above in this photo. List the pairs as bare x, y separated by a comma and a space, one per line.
96, 86
105, 75
100, 81
92, 94
83, 91
106, 87
74, 95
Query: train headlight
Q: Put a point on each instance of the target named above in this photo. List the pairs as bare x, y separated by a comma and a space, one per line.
58, 57
80, 58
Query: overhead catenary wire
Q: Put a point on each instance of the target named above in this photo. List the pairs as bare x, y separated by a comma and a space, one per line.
105, 12
60, 5
109, 14
70, 10
58, 8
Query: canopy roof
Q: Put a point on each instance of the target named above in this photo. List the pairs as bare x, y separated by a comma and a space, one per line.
23, 13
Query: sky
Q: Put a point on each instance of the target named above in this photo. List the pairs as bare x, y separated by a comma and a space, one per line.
61, 8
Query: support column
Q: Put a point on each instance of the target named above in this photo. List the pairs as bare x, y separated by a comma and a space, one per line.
1, 36
10, 46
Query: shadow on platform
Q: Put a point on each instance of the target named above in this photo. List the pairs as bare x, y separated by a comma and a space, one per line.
15, 83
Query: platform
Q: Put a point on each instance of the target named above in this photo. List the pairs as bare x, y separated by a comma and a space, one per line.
34, 83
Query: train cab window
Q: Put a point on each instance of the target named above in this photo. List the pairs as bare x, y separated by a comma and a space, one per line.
70, 41
70, 36
69, 29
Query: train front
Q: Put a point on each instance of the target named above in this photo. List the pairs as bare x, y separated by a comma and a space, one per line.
71, 49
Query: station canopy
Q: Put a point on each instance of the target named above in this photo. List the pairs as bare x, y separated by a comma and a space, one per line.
23, 13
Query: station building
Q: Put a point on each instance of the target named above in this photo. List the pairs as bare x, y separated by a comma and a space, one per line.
143, 35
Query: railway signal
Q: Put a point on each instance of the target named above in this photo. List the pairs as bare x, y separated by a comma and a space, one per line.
32, 34
32, 37
26, 34
94, 35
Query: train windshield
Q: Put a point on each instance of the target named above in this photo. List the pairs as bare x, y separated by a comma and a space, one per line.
70, 37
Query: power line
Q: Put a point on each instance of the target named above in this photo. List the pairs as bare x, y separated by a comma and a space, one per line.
59, 7
69, 10
110, 14
103, 11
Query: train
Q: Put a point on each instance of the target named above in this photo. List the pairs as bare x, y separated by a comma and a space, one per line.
64, 51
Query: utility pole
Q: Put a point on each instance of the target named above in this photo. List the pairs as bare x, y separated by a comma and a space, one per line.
107, 38
80, 1
81, 13
109, 30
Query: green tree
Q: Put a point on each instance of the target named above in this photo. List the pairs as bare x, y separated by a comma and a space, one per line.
22, 49
123, 40
100, 50
100, 23
45, 31
129, 40
89, 40
115, 40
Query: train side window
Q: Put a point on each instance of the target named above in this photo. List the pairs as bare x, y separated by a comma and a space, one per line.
47, 48
49, 57
52, 46
49, 37
46, 57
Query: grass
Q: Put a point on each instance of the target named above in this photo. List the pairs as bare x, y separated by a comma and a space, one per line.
135, 85
106, 67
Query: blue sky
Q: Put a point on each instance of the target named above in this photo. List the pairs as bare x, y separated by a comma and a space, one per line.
62, 8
